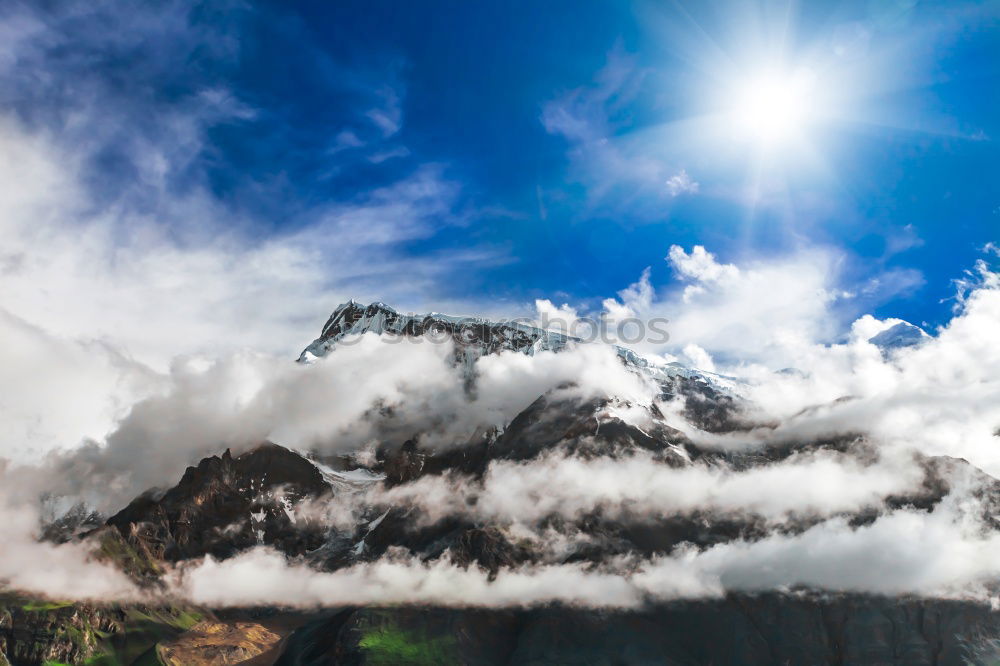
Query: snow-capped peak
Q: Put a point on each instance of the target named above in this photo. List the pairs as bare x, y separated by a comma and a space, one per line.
901, 335
473, 337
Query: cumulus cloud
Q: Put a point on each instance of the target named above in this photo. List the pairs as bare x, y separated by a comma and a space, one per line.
118, 294
632, 301
681, 183
938, 397
761, 311
510, 381
891, 554
699, 358
262, 576
243, 400
551, 317
944, 552
64, 571
937, 553
701, 266
371, 389
58, 391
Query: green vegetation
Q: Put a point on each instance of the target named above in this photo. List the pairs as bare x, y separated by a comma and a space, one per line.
115, 549
89, 636
176, 618
391, 646
102, 660
45, 606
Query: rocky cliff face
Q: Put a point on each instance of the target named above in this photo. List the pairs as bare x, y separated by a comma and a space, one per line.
473, 336
35, 632
763, 629
767, 629
225, 505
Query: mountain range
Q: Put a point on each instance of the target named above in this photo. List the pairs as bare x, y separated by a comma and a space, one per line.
273, 497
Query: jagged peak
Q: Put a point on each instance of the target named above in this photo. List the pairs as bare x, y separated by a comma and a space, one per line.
477, 333
475, 337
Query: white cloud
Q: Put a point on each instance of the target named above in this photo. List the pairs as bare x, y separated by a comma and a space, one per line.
699, 358
59, 391
388, 117
389, 154
760, 311
638, 487
636, 299
119, 292
941, 553
939, 398
205, 405
66, 571
550, 317
240, 401
681, 183
701, 266
617, 166
108, 273
510, 381
126, 313
261, 576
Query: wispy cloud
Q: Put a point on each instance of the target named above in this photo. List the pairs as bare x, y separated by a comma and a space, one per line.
625, 166
388, 116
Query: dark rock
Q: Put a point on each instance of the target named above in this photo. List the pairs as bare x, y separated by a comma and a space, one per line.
739, 630
224, 505
489, 548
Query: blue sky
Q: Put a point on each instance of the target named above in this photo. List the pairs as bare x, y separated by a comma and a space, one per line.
479, 156
906, 188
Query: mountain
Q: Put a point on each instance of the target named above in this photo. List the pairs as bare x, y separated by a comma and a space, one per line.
256, 494
225, 505
899, 336
710, 398
473, 337
273, 496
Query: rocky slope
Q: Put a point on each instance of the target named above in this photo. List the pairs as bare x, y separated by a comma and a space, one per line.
52, 632
225, 505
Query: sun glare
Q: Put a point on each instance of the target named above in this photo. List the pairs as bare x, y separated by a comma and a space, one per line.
773, 107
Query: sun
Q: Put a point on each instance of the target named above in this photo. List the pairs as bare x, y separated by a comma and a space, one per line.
773, 107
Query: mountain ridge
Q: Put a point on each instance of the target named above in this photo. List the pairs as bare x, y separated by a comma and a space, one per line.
477, 336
